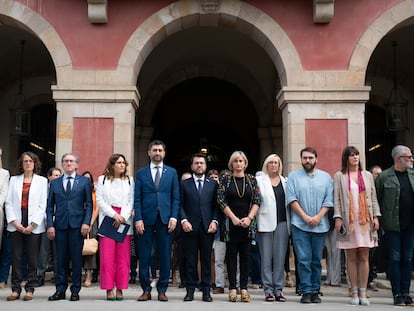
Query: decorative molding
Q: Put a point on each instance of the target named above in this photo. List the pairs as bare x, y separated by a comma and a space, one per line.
323, 11
98, 11
210, 6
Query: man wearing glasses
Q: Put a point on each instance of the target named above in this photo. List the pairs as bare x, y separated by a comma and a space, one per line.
309, 193
395, 193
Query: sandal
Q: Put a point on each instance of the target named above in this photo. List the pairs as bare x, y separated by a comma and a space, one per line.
233, 295
270, 297
280, 298
245, 297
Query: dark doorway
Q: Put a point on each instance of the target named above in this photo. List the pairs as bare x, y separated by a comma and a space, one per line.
207, 113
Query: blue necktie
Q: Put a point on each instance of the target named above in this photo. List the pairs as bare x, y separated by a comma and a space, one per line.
200, 186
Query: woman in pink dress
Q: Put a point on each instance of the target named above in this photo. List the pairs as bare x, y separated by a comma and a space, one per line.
356, 215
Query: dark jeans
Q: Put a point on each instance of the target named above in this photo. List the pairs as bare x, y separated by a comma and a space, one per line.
243, 250
400, 247
5, 258
255, 275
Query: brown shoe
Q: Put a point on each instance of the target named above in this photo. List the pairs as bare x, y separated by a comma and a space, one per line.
28, 297
218, 290
145, 296
14, 296
162, 297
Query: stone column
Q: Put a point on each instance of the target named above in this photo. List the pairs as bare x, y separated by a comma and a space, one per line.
300, 103
118, 103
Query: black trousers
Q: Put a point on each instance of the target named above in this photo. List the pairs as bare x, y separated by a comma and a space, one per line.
24, 245
243, 250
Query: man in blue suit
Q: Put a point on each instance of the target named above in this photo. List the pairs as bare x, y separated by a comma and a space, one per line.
199, 220
156, 205
69, 212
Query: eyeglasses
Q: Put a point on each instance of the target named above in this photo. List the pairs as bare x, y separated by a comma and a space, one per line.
308, 158
407, 157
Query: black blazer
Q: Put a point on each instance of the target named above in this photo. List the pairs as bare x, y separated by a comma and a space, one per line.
195, 207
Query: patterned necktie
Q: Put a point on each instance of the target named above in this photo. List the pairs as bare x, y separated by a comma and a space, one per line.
200, 186
68, 186
157, 177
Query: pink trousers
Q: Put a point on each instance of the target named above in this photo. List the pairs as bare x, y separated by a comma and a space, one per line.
115, 262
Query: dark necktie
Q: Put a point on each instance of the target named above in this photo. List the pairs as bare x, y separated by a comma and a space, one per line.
68, 186
200, 186
157, 177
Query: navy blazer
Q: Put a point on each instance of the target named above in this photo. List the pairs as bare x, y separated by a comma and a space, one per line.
148, 199
69, 211
195, 206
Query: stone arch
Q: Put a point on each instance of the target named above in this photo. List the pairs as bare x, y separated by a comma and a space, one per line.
376, 31
40, 27
236, 14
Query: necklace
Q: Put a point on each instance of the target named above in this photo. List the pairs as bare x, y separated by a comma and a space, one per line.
237, 187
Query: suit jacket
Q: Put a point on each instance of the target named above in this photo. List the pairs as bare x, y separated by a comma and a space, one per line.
103, 199
69, 211
267, 214
36, 204
195, 206
148, 199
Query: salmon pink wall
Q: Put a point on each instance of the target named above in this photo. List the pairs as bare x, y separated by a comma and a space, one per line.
93, 140
329, 138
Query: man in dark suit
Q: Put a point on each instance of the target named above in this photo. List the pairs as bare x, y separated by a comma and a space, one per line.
156, 205
69, 212
199, 219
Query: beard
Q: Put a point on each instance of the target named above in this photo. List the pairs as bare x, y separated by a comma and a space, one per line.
308, 167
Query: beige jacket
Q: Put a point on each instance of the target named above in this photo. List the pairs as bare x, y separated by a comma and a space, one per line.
341, 201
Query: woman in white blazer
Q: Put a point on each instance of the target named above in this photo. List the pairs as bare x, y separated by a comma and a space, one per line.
25, 212
273, 222
115, 198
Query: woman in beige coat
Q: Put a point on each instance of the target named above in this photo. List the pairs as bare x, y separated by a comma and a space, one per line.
356, 220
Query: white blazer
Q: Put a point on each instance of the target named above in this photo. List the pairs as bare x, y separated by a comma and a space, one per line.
4, 185
103, 199
37, 202
266, 216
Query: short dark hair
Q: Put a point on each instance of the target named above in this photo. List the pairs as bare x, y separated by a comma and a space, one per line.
309, 149
156, 142
198, 155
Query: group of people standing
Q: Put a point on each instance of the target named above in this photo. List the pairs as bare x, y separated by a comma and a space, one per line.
239, 205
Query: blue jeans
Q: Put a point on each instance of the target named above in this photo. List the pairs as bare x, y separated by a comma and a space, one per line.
400, 246
308, 248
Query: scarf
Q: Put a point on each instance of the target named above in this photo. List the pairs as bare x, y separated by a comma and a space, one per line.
363, 215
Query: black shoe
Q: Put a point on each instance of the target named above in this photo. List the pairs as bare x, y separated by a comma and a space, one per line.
408, 301
207, 297
189, 297
306, 298
74, 297
181, 285
315, 298
57, 296
399, 300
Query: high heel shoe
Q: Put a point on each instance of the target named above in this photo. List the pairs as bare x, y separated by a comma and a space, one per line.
119, 295
244, 297
233, 295
110, 295
363, 300
355, 299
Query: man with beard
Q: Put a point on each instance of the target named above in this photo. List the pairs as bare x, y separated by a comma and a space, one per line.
156, 206
309, 193
395, 193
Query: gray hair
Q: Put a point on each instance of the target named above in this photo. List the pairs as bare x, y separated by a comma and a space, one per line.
399, 150
74, 155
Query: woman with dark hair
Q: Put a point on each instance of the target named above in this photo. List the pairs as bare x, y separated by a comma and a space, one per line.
90, 262
238, 197
25, 212
356, 213
115, 198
